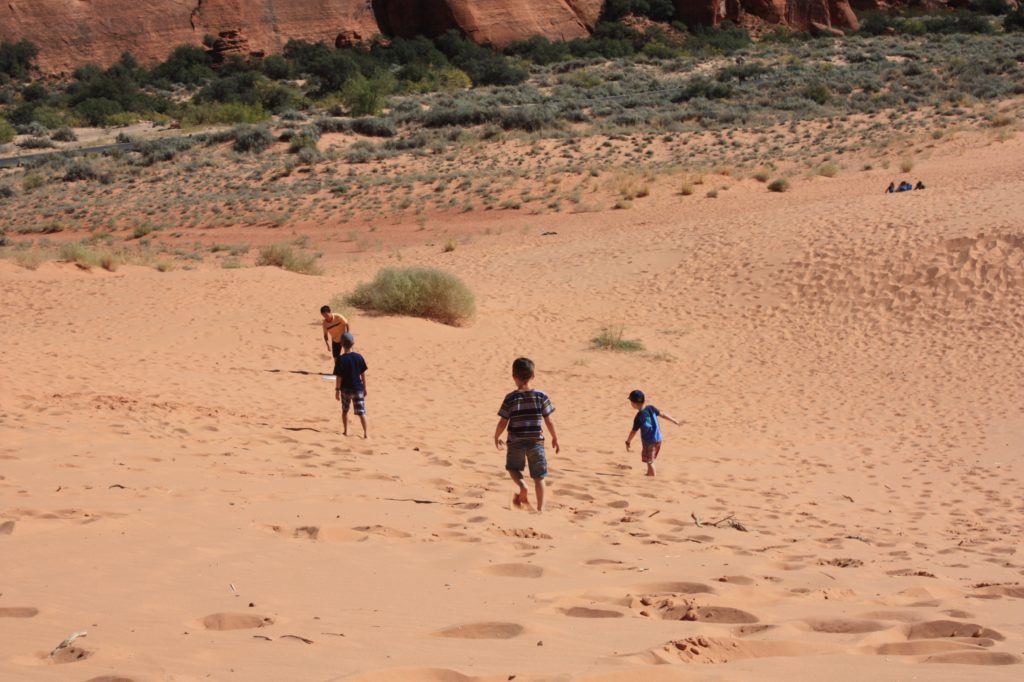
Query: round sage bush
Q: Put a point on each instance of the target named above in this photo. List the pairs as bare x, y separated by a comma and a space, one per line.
418, 292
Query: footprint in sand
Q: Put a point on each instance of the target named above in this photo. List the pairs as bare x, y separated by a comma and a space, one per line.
976, 658
843, 626
494, 630
6, 528
110, 678
584, 612
515, 570
939, 629
18, 612
235, 621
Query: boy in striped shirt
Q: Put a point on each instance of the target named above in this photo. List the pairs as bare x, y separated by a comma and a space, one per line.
522, 412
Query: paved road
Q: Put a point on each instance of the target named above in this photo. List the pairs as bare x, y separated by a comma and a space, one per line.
15, 161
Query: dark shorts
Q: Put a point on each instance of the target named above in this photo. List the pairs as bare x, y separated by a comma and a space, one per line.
650, 451
521, 454
335, 349
354, 399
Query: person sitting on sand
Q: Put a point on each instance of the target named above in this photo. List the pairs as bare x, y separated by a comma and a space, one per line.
522, 412
646, 422
904, 186
919, 185
891, 188
334, 326
350, 383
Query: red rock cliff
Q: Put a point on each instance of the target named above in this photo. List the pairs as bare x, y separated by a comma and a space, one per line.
73, 32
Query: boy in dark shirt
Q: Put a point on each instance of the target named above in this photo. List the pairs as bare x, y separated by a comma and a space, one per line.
350, 383
523, 411
646, 422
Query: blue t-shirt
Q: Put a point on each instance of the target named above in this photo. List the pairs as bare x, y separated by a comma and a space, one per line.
646, 422
350, 367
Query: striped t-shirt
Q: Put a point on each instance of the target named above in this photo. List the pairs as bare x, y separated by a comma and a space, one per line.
525, 411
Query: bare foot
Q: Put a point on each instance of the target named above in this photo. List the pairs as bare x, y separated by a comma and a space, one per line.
522, 499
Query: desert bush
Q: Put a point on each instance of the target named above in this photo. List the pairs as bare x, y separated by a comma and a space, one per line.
7, 132
80, 170
78, 253
285, 257
64, 134
419, 292
226, 114
6, 191
829, 169
36, 143
17, 60
1014, 21
374, 127
29, 259
365, 97
778, 185
613, 338
251, 139
304, 138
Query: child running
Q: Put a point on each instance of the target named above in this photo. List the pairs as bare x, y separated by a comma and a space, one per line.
646, 422
350, 383
522, 412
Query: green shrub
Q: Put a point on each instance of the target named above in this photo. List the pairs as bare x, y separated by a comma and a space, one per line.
223, 114
374, 127
613, 338
251, 139
64, 134
285, 257
80, 170
79, 254
779, 185
1014, 21
419, 292
17, 60
364, 97
7, 132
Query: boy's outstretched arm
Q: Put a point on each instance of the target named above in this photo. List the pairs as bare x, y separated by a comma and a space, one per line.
554, 434
677, 423
629, 438
502, 423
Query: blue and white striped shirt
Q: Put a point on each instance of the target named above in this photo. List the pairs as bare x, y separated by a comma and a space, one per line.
525, 411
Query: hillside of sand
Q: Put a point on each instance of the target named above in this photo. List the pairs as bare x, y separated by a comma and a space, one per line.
847, 363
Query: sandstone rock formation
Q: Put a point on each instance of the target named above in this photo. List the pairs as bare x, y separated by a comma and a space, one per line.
824, 16
73, 32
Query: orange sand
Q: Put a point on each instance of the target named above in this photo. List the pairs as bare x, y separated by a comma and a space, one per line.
849, 366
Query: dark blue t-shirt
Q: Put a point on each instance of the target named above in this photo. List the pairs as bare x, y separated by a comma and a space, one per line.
646, 422
350, 367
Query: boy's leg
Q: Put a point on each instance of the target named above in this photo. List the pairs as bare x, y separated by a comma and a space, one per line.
648, 455
345, 404
515, 462
538, 486
538, 470
359, 401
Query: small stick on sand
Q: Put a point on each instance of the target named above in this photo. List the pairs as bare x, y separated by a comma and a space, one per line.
848, 497
696, 519
233, 590
652, 515
733, 523
269, 639
301, 639
721, 521
67, 642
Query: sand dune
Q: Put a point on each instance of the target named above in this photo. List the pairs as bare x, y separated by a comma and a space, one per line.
848, 365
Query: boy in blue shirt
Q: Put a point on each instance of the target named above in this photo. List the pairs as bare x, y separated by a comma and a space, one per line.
350, 383
646, 422
522, 412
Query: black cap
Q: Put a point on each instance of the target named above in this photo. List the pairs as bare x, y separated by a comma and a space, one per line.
636, 396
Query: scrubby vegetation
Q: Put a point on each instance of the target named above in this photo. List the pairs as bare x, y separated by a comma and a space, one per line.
405, 129
418, 292
614, 339
288, 258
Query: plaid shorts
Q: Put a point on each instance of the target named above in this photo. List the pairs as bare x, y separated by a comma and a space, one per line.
353, 398
650, 452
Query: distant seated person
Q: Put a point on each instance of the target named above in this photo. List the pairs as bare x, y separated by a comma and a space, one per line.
334, 326
904, 186
891, 189
919, 185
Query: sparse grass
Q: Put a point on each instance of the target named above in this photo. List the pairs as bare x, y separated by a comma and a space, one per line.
779, 185
829, 170
285, 257
712, 194
612, 338
79, 254
163, 266
686, 189
449, 246
30, 259
761, 176
907, 165
418, 292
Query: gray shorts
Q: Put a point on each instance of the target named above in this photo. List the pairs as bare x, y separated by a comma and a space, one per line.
354, 399
521, 454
